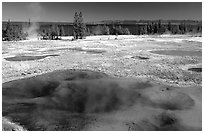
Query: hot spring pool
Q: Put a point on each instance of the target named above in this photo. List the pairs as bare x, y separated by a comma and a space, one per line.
27, 58
178, 52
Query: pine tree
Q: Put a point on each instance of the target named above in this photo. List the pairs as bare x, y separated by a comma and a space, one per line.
199, 29
149, 29
106, 30
169, 26
160, 28
58, 31
155, 28
29, 23
79, 26
176, 29
119, 30
182, 27
16, 33
76, 25
113, 30
61, 31
82, 26
53, 34
9, 30
43, 34
152, 28
88, 32
126, 31
49, 31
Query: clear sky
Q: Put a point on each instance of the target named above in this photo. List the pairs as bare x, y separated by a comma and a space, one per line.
64, 11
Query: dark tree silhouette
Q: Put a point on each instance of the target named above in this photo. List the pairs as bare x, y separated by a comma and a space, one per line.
79, 26
126, 31
119, 30
53, 34
106, 30
169, 26
76, 25
8, 31
182, 27
161, 29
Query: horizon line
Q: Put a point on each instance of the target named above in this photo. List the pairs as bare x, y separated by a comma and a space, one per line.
109, 20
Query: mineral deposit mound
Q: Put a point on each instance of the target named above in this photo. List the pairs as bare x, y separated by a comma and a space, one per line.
75, 99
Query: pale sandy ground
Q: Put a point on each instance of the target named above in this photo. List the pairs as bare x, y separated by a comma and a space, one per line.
118, 60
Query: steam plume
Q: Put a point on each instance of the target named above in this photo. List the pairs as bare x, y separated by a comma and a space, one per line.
35, 9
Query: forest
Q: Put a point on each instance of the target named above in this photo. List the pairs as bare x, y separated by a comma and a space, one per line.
14, 31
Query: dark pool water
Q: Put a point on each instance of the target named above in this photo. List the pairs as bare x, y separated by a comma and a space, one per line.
27, 58
140, 57
91, 51
78, 49
178, 52
195, 69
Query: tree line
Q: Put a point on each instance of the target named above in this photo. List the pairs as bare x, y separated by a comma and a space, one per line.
150, 28
54, 31
159, 28
13, 32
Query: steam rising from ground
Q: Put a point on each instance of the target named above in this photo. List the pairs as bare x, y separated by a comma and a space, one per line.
35, 9
32, 31
71, 96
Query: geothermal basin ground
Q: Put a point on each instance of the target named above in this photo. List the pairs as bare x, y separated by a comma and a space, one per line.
103, 83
